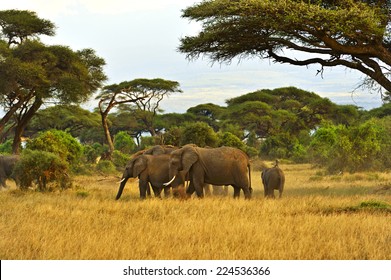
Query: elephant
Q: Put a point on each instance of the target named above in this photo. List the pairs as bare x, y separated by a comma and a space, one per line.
216, 166
155, 150
273, 179
7, 165
150, 169
160, 150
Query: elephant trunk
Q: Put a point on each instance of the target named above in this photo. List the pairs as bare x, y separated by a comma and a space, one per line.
121, 187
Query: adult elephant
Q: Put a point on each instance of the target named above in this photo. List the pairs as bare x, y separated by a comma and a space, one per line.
7, 165
150, 169
155, 150
273, 179
216, 166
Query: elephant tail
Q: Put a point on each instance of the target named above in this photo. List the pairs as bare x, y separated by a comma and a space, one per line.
249, 178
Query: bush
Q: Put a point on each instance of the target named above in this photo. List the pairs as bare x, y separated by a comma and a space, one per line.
124, 143
354, 148
199, 133
230, 140
58, 142
278, 146
6, 147
106, 167
93, 152
42, 168
119, 159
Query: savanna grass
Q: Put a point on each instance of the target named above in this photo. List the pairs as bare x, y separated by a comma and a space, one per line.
315, 219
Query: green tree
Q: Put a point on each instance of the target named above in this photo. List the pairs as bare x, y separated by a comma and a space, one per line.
199, 133
70, 118
32, 73
144, 94
209, 113
353, 34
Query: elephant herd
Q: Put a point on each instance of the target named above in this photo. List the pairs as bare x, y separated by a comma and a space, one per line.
169, 167
165, 167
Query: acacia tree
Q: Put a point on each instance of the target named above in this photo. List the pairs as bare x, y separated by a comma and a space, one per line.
33, 74
354, 34
144, 94
148, 108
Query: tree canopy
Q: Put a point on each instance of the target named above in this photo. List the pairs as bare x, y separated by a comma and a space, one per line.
33, 74
354, 34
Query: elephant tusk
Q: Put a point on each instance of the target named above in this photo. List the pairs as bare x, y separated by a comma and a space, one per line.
172, 180
123, 179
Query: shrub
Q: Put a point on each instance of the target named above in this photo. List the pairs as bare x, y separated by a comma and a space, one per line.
199, 133
230, 140
58, 142
42, 168
124, 143
120, 159
93, 152
106, 167
354, 148
6, 147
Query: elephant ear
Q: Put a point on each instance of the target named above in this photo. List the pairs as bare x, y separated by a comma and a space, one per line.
189, 157
139, 166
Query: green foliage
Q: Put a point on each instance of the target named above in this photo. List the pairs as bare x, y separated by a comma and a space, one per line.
70, 118
93, 152
352, 149
173, 136
333, 32
124, 143
6, 147
106, 167
120, 159
230, 140
199, 133
282, 145
58, 142
45, 169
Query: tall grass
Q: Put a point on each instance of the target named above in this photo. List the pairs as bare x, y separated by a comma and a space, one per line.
319, 217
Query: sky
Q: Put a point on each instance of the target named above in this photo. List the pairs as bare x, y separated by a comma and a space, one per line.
139, 39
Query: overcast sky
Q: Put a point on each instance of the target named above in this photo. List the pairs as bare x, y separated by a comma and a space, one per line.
139, 39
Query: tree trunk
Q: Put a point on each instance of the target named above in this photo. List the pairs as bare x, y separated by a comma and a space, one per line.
106, 130
22, 123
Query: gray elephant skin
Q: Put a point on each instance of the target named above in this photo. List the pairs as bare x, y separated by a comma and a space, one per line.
150, 169
7, 164
273, 179
216, 166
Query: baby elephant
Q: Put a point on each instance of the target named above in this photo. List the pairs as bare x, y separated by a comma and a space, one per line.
273, 179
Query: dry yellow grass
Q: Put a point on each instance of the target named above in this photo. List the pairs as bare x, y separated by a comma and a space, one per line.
319, 217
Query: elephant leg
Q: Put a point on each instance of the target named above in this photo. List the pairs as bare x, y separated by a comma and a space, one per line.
247, 192
143, 186
265, 191
190, 189
272, 192
236, 191
157, 191
199, 187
